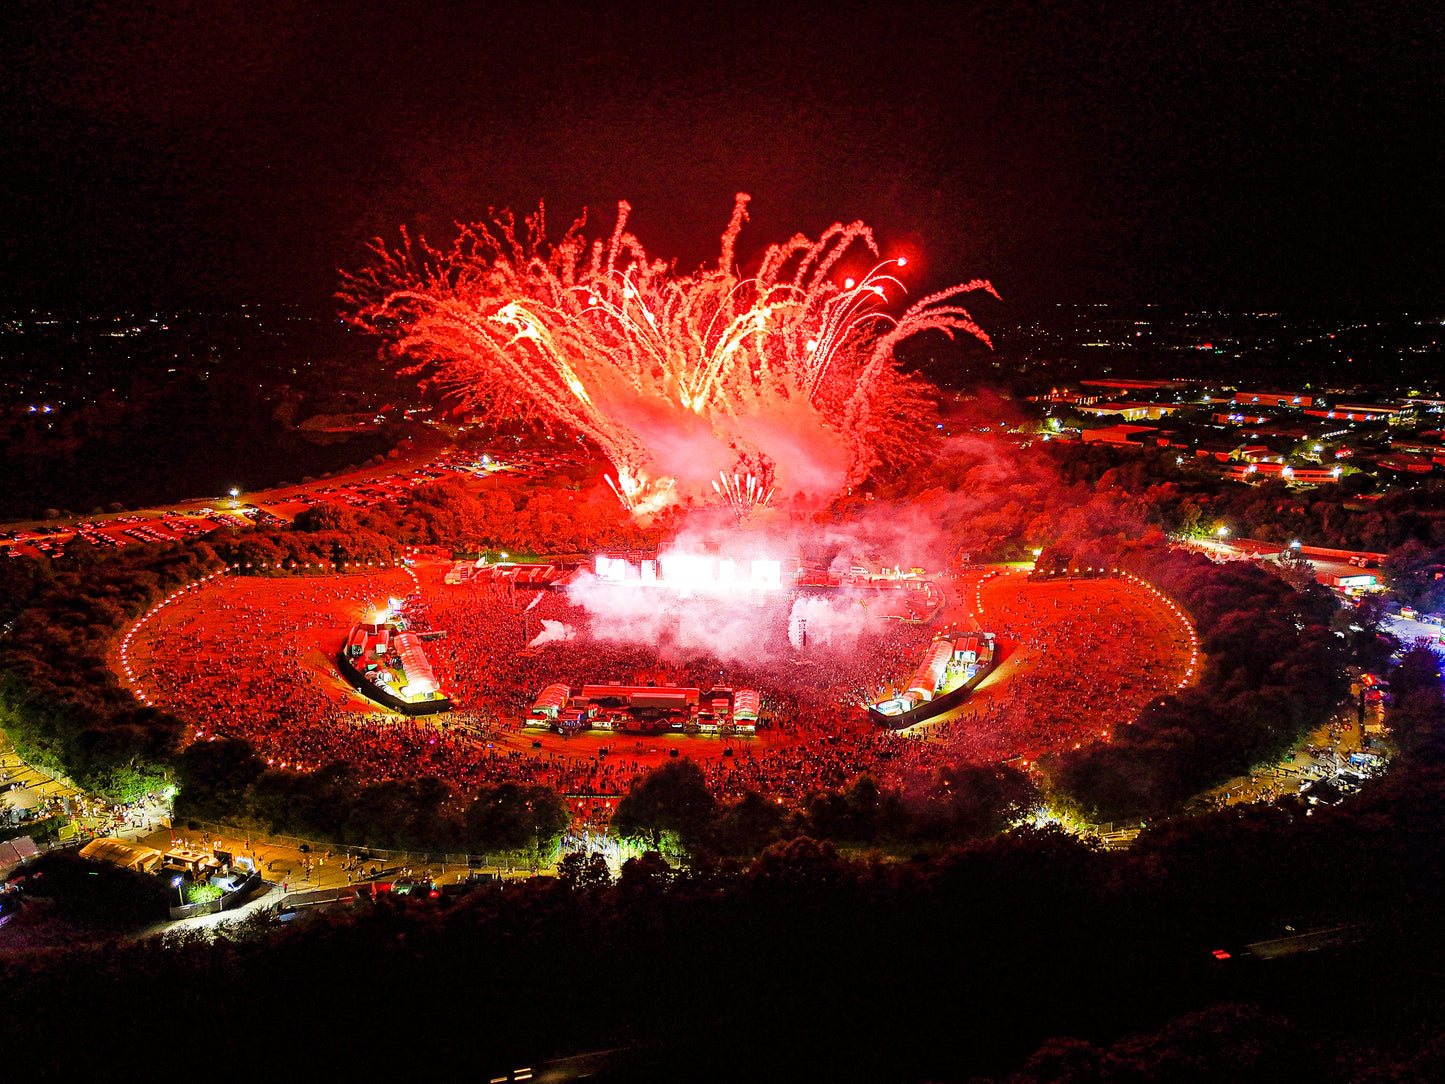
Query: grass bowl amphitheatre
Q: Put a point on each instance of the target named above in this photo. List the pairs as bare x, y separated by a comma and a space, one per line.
1073, 660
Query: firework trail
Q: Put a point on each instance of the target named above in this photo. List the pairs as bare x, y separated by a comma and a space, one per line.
681, 380
743, 495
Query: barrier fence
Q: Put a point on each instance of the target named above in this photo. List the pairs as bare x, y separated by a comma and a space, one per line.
379, 854
228, 902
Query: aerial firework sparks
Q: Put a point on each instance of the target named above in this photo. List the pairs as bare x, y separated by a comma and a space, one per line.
680, 380
742, 495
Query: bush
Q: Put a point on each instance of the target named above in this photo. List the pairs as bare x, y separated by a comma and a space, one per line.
202, 892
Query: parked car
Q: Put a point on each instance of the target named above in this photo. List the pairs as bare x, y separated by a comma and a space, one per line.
229, 882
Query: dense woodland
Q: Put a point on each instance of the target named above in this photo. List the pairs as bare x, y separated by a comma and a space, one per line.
61, 705
1031, 953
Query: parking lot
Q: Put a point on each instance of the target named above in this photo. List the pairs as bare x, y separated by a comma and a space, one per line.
359, 489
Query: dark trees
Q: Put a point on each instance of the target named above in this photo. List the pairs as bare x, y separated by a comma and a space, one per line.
671, 798
515, 817
746, 826
1417, 717
215, 777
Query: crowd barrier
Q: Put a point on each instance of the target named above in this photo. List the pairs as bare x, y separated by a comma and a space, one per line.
379, 854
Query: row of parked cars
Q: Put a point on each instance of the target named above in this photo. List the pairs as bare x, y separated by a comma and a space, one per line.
363, 493
370, 892
50, 539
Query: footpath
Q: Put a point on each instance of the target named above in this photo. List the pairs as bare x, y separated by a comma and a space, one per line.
306, 867
30, 795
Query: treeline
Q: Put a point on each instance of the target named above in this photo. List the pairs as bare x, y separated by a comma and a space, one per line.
1357, 512
1273, 670
504, 515
1408, 525
1333, 515
62, 706
1417, 712
225, 780
949, 805
987, 500
970, 963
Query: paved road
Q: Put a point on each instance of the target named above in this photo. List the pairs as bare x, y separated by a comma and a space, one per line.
1249, 549
303, 871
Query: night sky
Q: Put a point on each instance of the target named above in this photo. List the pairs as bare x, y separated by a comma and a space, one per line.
1211, 154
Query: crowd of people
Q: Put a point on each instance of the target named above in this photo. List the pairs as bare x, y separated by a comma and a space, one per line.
485, 664
236, 667
1076, 668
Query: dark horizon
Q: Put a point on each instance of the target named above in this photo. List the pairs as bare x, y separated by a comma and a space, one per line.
1217, 155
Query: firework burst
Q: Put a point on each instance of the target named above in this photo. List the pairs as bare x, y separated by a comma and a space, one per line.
673, 376
744, 495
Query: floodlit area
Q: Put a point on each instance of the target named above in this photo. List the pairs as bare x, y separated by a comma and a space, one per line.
1078, 658
256, 658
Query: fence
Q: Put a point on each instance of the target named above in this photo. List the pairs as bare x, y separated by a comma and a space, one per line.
227, 902
390, 857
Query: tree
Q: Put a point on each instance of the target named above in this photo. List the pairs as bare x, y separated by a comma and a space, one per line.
800, 864
325, 517
516, 817
964, 802
579, 871
746, 826
215, 776
1295, 569
671, 798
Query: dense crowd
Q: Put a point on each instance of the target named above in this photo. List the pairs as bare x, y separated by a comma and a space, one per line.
234, 672
1075, 645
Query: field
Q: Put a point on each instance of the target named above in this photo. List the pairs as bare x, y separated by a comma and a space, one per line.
253, 657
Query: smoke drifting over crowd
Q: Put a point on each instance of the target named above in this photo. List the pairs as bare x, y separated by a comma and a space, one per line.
728, 592
734, 626
710, 386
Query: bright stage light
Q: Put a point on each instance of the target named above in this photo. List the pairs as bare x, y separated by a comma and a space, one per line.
691, 573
